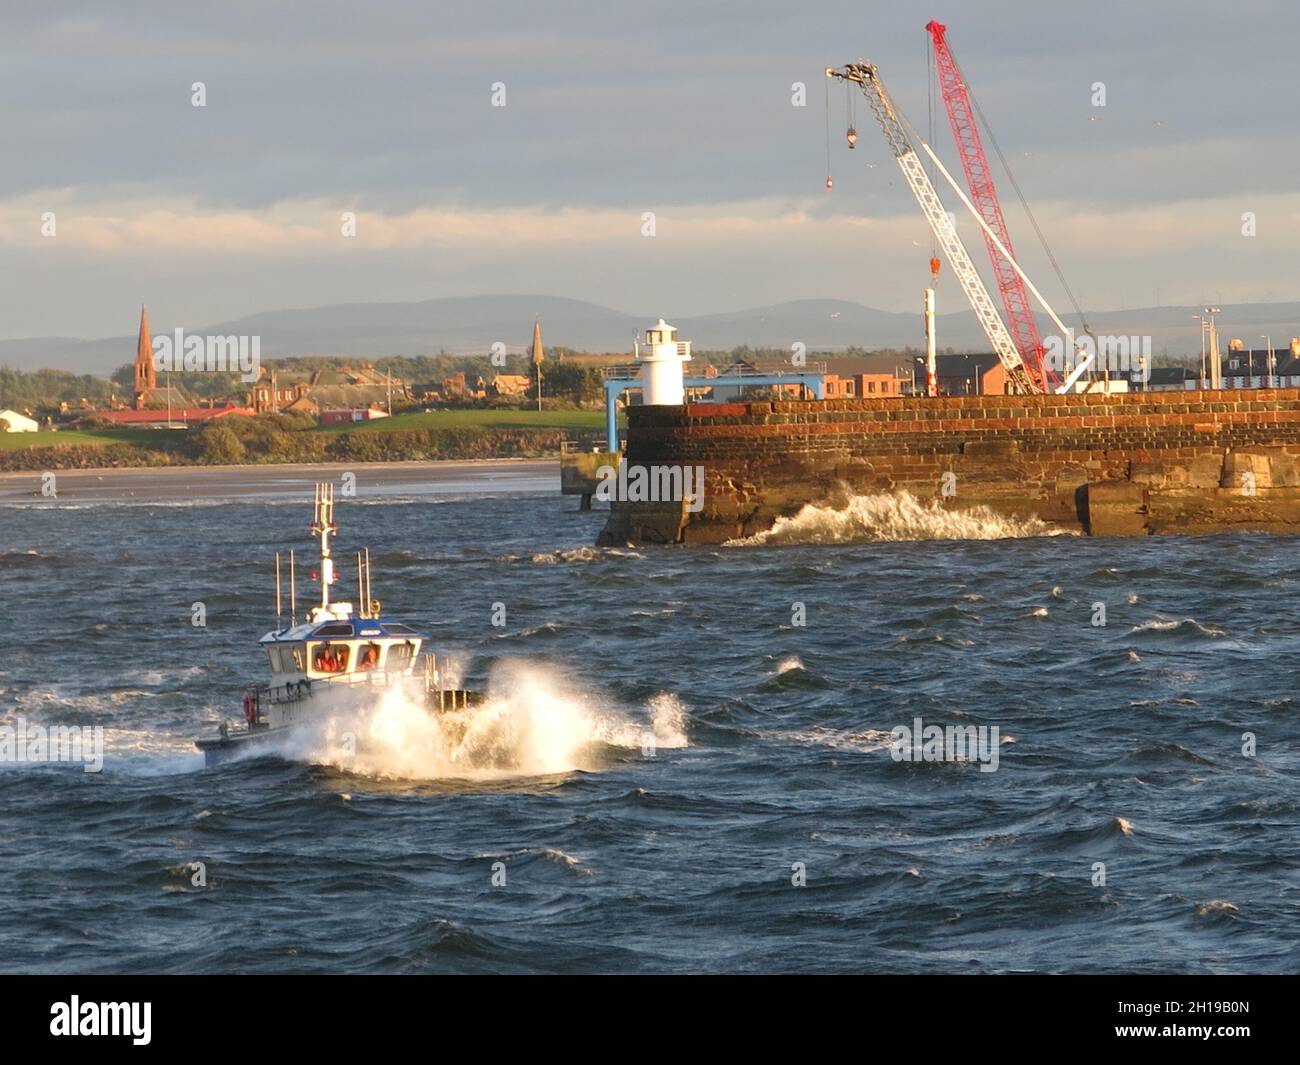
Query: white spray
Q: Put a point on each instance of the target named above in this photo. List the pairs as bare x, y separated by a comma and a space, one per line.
532, 724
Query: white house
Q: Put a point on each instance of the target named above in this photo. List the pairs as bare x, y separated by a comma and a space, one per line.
13, 422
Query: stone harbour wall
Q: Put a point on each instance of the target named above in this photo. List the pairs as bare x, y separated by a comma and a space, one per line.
1127, 464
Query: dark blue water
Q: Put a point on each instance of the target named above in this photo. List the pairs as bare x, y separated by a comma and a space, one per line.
1127, 750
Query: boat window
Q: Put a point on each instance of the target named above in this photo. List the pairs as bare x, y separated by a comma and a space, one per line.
330, 658
334, 628
398, 629
400, 655
369, 656
299, 660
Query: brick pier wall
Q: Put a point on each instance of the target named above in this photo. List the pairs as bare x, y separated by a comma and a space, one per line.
1120, 464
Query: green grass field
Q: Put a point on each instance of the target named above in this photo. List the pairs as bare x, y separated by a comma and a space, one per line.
162, 439
147, 438
485, 419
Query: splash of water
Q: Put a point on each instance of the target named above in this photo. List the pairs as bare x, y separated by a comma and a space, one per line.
532, 724
897, 516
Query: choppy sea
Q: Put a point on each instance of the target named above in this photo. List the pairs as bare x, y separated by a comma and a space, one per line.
687, 762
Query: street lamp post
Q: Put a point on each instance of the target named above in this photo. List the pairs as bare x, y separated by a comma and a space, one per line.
1202, 321
1268, 346
1216, 365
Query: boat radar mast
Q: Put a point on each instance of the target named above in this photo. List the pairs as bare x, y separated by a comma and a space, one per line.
322, 525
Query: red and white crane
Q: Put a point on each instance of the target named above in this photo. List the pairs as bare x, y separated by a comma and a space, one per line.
984, 194
1026, 374
864, 75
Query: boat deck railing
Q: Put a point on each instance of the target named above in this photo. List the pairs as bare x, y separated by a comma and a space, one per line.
447, 698
583, 447
295, 691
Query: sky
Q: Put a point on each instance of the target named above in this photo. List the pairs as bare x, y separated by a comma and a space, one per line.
117, 190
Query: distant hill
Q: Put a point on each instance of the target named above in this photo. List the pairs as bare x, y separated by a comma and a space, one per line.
465, 325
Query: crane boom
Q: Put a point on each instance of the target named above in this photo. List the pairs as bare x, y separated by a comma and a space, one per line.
979, 179
941, 224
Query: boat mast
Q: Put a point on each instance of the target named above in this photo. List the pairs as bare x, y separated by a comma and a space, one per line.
322, 525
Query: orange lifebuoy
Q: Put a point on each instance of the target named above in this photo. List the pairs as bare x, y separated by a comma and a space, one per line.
250, 707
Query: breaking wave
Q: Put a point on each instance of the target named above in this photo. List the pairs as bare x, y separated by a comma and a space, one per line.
581, 554
862, 742
533, 724
1185, 627
898, 516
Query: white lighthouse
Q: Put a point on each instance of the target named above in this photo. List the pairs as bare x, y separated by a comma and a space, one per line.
663, 366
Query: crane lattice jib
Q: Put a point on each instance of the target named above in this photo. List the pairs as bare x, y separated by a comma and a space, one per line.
941, 223
984, 194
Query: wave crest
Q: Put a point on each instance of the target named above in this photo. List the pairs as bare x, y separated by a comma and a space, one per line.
892, 516
532, 724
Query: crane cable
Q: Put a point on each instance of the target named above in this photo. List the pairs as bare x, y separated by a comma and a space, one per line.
929, 89
1042, 239
827, 82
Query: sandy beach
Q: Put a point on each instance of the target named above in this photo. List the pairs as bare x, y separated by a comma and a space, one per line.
213, 482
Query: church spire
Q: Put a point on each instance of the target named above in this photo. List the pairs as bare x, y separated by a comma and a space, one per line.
146, 377
538, 354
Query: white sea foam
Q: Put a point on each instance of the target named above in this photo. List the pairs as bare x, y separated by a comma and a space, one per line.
863, 742
532, 724
580, 554
897, 516
1165, 625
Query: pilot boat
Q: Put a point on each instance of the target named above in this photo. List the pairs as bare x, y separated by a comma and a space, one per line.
338, 660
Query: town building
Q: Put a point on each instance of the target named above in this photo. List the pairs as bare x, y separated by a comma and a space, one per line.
1244, 367
13, 422
509, 384
460, 386
751, 368
331, 388
268, 395
965, 375
177, 418
1170, 379
867, 376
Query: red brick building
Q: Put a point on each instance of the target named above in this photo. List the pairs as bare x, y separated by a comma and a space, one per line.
161, 418
868, 376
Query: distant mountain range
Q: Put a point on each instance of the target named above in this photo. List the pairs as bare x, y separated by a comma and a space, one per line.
465, 325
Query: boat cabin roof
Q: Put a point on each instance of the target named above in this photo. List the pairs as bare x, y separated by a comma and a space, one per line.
351, 629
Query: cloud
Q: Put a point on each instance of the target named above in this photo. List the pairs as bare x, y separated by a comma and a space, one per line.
294, 229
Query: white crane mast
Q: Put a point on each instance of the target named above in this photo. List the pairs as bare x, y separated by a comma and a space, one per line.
941, 223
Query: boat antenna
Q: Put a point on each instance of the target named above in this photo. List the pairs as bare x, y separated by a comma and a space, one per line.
279, 611
293, 593
322, 525
361, 588
371, 603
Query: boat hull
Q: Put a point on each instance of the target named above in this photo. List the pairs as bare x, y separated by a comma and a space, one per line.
261, 740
